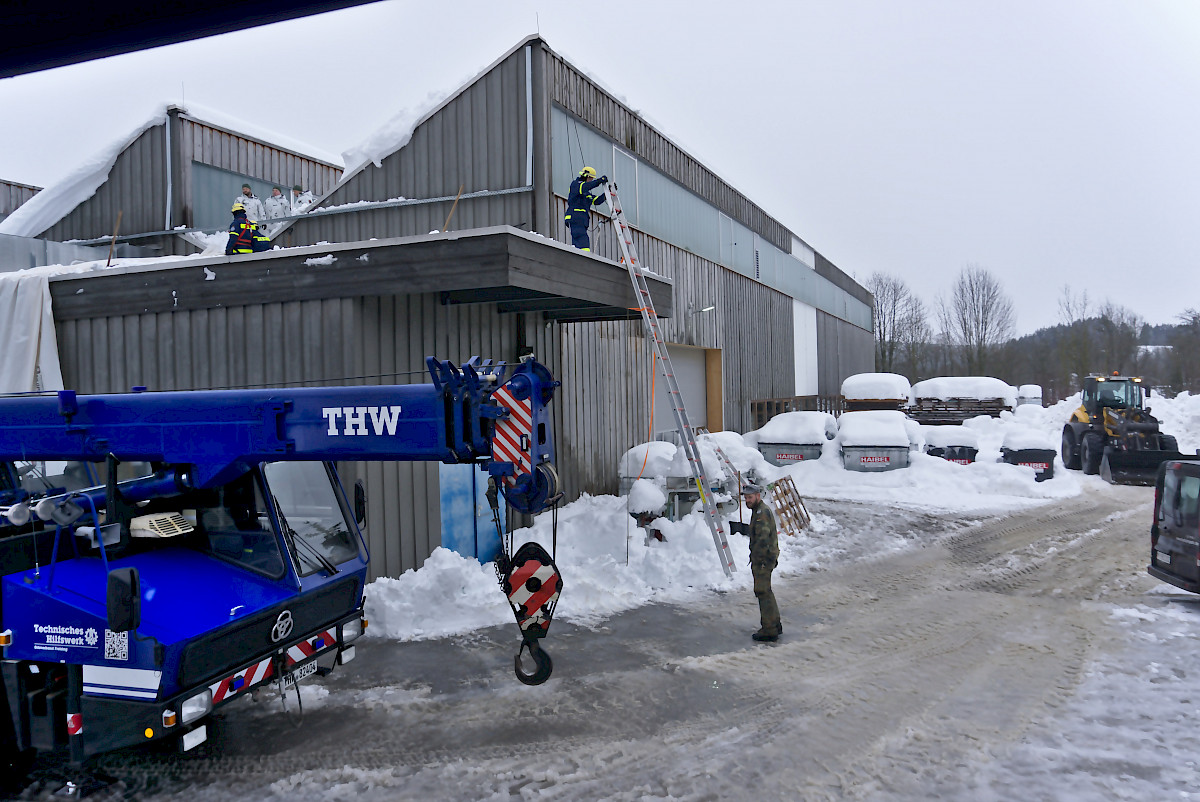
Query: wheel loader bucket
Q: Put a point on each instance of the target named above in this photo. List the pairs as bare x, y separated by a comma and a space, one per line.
1134, 467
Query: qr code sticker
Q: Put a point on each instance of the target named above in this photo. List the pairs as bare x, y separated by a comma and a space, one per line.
116, 645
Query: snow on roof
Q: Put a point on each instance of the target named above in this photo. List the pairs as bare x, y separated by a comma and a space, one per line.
876, 386
885, 428
795, 428
55, 202
235, 125
973, 387
950, 436
396, 132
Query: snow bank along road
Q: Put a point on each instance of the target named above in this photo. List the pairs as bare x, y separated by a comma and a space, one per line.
914, 676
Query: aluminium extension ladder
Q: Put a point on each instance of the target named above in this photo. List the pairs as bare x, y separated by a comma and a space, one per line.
641, 291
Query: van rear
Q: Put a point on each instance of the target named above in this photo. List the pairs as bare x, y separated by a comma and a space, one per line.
1175, 533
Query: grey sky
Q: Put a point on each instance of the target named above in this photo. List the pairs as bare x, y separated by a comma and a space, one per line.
1051, 141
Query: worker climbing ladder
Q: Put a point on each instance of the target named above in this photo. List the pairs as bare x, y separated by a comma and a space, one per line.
641, 291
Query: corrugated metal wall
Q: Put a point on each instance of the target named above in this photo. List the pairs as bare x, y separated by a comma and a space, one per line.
843, 350
136, 187
208, 144
477, 141
577, 94
13, 195
137, 184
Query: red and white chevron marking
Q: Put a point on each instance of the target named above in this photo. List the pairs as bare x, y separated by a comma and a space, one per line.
243, 680
307, 648
506, 444
530, 602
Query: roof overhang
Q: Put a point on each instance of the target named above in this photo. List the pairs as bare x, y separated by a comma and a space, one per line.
54, 35
513, 269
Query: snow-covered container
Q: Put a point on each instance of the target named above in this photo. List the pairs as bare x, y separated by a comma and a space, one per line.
1029, 394
867, 391
646, 460
953, 399
874, 440
951, 443
793, 437
1029, 447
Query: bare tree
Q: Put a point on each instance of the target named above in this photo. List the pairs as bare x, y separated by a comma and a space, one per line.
916, 340
1076, 345
977, 318
891, 297
1118, 329
1185, 352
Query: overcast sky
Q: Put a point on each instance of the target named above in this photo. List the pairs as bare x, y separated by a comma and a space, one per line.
1051, 141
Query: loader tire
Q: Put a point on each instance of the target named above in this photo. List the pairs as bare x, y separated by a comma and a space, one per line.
1169, 443
1070, 454
1091, 451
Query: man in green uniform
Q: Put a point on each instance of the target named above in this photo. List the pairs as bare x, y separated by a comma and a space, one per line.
764, 556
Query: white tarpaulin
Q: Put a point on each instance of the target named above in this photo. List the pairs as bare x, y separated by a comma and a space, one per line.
30, 345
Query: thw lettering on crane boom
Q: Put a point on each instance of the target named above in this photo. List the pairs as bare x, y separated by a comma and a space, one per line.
354, 420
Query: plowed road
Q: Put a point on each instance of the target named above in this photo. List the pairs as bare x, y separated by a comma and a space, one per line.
891, 673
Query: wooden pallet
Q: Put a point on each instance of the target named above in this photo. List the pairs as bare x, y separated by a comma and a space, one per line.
790, 511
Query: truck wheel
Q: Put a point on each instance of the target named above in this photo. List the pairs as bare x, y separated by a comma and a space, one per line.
1091, 451
1070, 455
1169, 443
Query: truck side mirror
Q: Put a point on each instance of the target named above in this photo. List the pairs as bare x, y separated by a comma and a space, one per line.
360, 502
124, 600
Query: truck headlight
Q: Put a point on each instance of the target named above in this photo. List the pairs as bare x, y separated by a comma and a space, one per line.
351, 630
196, 707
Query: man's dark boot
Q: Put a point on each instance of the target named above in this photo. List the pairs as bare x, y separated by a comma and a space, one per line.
768, 637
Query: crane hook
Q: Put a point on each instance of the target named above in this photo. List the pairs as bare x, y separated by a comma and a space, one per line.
541, 658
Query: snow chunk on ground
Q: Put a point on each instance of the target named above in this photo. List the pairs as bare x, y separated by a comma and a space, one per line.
795, 428
646, 496
873, 428
876, 386
950, 436
974, 387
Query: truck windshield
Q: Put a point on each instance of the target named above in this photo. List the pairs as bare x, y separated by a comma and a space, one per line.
305, 496
235, 522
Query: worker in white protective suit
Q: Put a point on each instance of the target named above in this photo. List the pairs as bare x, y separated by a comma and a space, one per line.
255, 210
301, 199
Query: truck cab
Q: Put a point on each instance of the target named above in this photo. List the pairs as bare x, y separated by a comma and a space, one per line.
218, 590
1175, 531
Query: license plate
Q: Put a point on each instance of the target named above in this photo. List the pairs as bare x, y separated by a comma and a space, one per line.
1164, 558
306, 670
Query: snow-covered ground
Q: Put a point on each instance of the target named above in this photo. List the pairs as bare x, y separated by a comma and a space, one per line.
610, 567
1125, 732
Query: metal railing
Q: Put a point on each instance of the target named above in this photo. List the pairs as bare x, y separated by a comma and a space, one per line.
763, 409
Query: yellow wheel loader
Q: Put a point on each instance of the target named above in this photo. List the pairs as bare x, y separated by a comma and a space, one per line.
1113, 433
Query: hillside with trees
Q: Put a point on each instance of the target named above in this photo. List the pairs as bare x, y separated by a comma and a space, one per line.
969, 331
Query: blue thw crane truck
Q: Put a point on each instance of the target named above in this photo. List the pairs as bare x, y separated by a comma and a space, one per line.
220, 552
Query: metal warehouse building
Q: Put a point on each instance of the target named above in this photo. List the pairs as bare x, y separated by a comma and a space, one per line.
752, 311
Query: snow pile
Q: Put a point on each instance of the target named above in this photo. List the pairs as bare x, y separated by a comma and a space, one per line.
884, 428
55, 202
1178, 416
1029, 394
648, 459
980, 388
744, 457
950, 437
320, 261
795, 428
1019, 438
876, 387
646, 496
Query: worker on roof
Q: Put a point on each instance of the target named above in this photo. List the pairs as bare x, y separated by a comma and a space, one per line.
244, 236
254, 207
301, 199
579, 202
